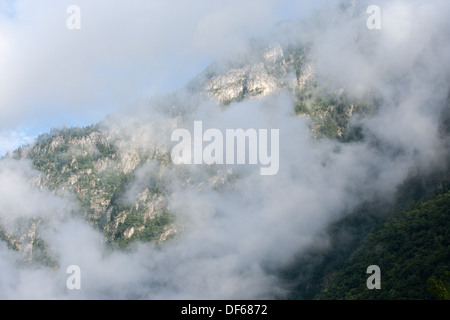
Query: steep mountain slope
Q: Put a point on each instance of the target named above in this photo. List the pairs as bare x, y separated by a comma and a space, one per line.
86, 162
412, 250
408, 240
99, 163
269, 70
119, 177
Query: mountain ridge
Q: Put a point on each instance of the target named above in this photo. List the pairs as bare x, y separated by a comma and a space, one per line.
120, 174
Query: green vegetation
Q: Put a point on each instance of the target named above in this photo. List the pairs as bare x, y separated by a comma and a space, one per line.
440, 288
331, 112
149, 230
314, 269
329, 128
301, 108
412, 248
106, 150
409, 240
7, 240
41, 254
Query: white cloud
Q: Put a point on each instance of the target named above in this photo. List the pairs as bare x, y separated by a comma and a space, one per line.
125, 50
235, 234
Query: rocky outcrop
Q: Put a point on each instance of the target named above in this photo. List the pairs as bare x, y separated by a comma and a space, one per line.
270, 74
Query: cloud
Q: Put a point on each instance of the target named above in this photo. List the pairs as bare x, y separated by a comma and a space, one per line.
18, 182
124, 51
240, 226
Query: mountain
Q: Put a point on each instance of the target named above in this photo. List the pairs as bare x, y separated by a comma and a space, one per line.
271, 69
96, 163
412, 245
408, 240
120, 179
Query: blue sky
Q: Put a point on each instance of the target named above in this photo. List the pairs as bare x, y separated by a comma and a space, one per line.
51, 76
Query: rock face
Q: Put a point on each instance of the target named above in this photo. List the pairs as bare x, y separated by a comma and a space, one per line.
290, 69
20, 235
229, 86
88, 163
269, 75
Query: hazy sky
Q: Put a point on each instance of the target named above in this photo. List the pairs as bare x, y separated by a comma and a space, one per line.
51, 76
